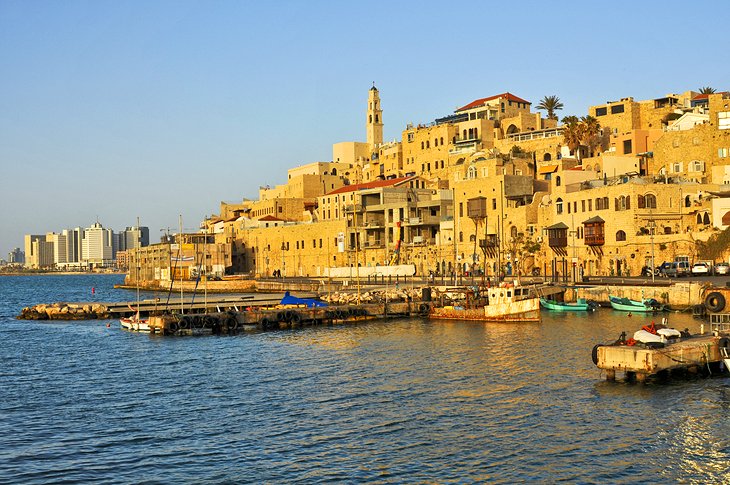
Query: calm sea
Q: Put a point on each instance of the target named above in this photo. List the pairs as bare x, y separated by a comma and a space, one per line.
402, 401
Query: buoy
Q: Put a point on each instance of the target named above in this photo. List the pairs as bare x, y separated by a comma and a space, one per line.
108, 325
93, 290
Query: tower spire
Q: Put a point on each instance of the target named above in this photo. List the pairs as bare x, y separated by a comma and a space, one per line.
374, 119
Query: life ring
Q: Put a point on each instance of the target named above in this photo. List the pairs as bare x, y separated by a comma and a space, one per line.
594, 353
649, 328
715, 302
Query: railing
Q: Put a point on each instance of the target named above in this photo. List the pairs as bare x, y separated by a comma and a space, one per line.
593, 240
535, 135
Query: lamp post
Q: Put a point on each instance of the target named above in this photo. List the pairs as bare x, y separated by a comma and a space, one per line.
652, 226
283, 262
574, 261
352, 218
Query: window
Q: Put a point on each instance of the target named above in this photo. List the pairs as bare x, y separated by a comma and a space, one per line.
601, 111
590, 205
620, 236
582, 205
546, 158
472, 172
723, 120
650, 200
696, 166
559, 206
442, 140
627, 146
618, 108
677, 167
557, 181
494, 204
461, 209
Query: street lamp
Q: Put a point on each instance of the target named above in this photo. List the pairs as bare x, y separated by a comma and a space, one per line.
352, 218
652, 226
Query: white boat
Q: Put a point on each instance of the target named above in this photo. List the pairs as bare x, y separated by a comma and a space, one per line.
505, 303
135, 324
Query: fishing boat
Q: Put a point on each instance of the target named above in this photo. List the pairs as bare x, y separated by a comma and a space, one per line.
647, 305
503, 303
561, 306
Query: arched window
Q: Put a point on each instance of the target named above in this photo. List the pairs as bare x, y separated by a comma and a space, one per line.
650, 200
442, 140
422, 145
557, 181
699, 218
706, 219
513, 232
687, 201
640, 201
461, 236
472, 172
371, 119
620, 236
547, 157
334, 171
559, 206
376, 118
472, 238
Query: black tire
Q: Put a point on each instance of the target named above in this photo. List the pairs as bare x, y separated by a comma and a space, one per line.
594, 354
172, 327
423, 308
281, 317
295, 317
265, 323
184, 323
287, 315
715, 302
198, 322
231, 323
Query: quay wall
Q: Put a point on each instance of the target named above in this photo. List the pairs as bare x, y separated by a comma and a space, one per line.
678, 296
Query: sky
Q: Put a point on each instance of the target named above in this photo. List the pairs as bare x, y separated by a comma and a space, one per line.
111, 110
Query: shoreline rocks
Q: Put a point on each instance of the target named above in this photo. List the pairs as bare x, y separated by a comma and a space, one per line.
64, 311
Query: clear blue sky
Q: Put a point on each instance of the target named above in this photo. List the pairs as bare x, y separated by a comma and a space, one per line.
114, 110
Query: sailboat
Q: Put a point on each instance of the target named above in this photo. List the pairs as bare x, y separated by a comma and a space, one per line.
135, 323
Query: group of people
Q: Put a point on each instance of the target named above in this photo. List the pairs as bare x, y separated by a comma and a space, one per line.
276, 273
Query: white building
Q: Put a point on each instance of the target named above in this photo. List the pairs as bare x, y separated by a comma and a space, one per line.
97, 246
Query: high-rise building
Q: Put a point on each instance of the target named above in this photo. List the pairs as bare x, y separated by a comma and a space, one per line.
38, 251
97, 246
134, 237
16, 256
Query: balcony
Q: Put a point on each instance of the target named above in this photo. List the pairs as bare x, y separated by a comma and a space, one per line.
594, 240
489, 242
558, 242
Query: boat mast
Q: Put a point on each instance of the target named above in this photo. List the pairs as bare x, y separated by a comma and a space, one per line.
180, 256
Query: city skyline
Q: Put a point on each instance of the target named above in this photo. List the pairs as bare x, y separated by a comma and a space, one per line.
115, 115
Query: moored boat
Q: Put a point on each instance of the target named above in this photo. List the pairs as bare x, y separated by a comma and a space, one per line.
134, 323
561, 306
648, 305
503, 303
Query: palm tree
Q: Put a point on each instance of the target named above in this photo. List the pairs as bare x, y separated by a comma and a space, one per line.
703, 90
550, 104
572, 133
590, 130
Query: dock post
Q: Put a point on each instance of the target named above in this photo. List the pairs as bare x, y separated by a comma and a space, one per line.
610, 375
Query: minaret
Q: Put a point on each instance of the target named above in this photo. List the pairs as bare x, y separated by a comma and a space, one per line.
374, 119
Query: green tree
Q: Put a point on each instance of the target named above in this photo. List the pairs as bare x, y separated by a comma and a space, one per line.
703, 90
590, 128
551, 104
572, 134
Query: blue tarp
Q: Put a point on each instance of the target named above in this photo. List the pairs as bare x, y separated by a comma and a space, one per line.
293, 300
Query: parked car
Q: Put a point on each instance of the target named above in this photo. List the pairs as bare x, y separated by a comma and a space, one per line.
700, 269
722, 268
677, 269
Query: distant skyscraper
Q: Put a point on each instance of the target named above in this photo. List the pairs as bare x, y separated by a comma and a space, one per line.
16, 256
38, 251
97, 246
134, 237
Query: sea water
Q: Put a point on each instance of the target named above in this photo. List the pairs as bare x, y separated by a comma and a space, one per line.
401, 401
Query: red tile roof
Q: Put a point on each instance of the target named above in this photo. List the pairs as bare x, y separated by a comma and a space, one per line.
270, 218
368, 185
482, 101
